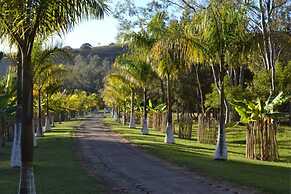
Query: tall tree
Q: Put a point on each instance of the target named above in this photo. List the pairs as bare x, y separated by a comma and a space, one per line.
127, 73
117, 91
167, 60
220, 29
266, 16
45, 73
22, 21
140, 73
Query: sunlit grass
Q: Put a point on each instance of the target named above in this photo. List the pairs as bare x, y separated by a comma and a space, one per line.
273, 177
57, 168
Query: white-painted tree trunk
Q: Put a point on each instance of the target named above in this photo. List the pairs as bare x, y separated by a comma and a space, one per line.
16, 147
47, 125
39, 131
132, 121
35, 140
44, 127
115, 116
27, 184
169, 136
53, 120
34, 134
60, 118
123, 119
221, 147
145, 129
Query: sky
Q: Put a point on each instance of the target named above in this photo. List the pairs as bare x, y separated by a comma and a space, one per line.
95, 32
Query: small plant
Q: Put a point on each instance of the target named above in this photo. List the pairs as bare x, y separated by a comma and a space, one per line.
261, 141
158, 115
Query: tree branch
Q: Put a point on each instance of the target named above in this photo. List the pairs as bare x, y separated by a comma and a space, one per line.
193, 7
277, 6
188, 5
176, 4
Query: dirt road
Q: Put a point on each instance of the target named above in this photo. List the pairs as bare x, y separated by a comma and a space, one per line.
127, 169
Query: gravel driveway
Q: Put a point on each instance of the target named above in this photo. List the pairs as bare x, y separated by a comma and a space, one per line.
127, 169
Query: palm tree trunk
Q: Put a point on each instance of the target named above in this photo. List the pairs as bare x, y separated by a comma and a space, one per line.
39, 129
200, 90
112, 111
16, 147
169, 137
241, 75
221, 149
163, 90
115, 117
124, 114
47, 118
118, 113
27, 185
53, 119
132, 119
145, 129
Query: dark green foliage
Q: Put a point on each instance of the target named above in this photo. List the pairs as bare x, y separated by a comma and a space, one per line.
89, 67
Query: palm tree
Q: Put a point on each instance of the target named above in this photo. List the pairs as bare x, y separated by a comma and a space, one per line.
21, 22
116, 91
221, 31
215, 36
156, 43
167, 59
140, 73
126, 73
54, 75
45, 72
141, 43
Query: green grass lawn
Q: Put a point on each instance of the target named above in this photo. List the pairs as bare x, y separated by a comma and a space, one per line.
56, 167
270, 177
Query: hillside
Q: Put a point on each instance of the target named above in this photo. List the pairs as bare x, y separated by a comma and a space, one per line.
87, 65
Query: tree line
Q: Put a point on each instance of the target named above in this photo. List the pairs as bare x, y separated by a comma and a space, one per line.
22, 24
223, 60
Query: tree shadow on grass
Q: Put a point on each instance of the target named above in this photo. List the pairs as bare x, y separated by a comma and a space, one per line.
241, 171
243, 142
58, 131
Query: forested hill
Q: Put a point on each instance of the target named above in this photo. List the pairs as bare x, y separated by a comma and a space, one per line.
89, 66
86, 66
103, 52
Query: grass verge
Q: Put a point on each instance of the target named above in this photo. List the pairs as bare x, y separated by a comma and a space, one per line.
270, 177
57, 168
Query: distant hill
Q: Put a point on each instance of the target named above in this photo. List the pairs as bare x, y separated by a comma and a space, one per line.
104, 52
90, 65
87, 65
